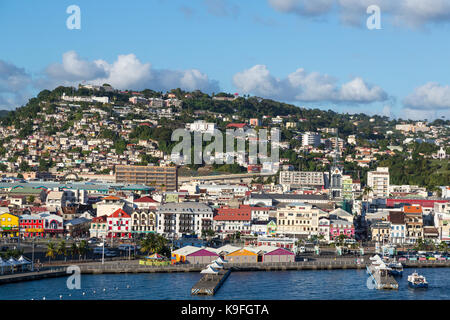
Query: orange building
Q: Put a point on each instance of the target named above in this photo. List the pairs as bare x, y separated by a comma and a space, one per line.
242, 256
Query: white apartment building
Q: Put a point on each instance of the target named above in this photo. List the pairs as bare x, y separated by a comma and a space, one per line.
379, 182
173, 220
311, 139
201, 126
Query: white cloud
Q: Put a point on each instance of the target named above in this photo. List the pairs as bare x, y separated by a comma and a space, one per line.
14, 85
411, 13
306, 87
127, 72
429, 101
73, 68
429, 96
303, 7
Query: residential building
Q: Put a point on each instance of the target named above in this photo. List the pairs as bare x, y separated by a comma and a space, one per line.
380, 231
414, 223
174, 220
378, 181
311, 139
442, 220
119, 224
99, 227
143, 221
341, 227
161, 178
298, 220
300, 179
229, 220
398, 227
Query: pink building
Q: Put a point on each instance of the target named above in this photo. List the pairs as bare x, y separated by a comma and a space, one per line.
338, 227
201, 256
279, 255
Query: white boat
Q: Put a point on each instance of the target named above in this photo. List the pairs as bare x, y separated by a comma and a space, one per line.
417, 281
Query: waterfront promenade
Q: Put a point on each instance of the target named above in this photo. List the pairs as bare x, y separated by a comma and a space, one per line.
318, 264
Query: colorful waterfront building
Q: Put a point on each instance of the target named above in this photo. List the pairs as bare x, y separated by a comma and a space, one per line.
278, 255
242, 256
9, 225
119, 224
31, 225
340, 226
201, 256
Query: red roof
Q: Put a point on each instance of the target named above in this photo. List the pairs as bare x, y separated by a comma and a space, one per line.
119, 213
236, 125
145, 199
99, 219
243, 213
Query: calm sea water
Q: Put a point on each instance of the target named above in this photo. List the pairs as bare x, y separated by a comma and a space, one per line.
277, 285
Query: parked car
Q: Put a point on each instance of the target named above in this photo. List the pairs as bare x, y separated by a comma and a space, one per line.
127, 247
92, 240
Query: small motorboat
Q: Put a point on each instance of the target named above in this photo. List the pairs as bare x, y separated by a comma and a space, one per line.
396, 269
417, 281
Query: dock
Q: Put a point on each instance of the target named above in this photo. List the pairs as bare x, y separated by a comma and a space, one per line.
30, 276
210, 283
382, 278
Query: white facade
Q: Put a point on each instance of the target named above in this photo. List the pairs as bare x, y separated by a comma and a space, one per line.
174, 220
311, 139
379, 182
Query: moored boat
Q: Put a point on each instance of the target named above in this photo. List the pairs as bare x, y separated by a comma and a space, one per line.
396, 269
417, 281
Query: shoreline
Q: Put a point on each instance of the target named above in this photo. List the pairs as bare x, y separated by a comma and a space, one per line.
130, 268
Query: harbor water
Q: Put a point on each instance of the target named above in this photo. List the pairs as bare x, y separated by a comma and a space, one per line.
274, 285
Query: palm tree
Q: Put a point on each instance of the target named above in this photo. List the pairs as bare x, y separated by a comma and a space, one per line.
51, 251
161, 243
62, 249
73, 250
149, 244
83, 249
366, 192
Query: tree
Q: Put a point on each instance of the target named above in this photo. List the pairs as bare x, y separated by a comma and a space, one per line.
443, 246
83, 249
51, 251
62, 249
74, 250
153, 243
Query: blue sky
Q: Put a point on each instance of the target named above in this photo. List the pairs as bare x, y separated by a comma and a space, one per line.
316, 54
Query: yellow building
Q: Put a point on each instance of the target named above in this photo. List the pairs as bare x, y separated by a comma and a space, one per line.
242, 256
9, 225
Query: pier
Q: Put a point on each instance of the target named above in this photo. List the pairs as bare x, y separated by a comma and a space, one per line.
382, 278
29, 276
210, 283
